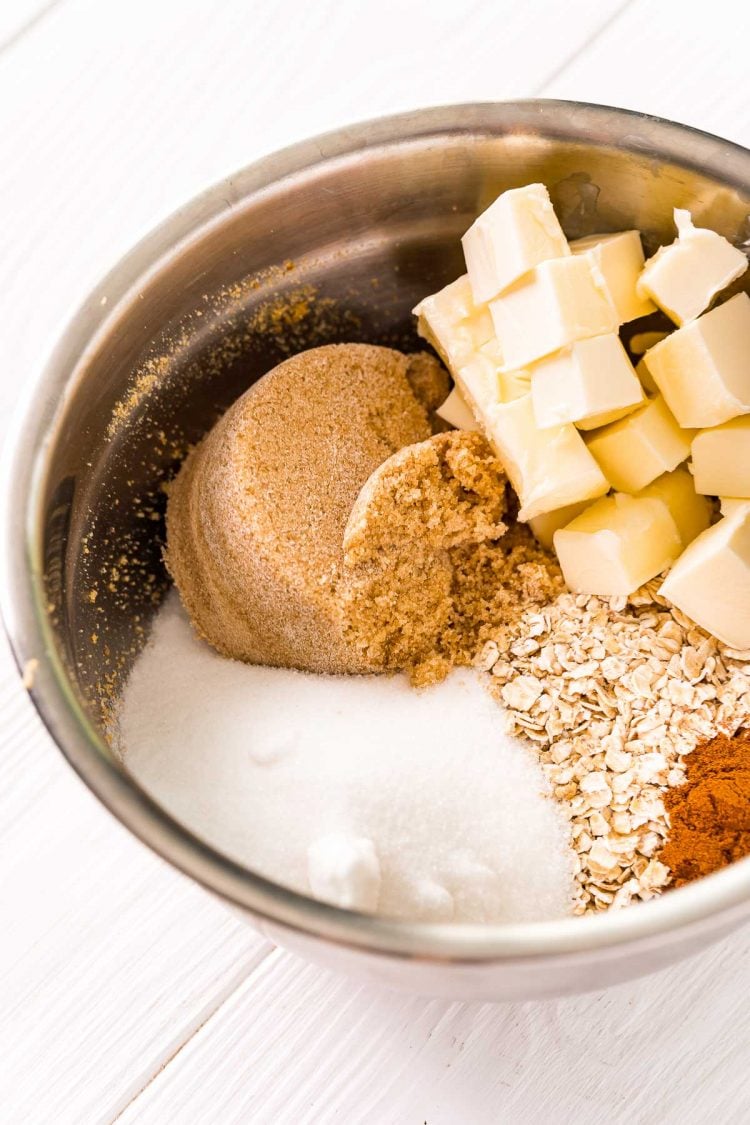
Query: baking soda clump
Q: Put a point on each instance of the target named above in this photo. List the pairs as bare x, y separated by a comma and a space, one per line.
414, 804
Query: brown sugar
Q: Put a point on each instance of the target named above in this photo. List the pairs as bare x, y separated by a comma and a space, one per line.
256, 516
418, 507
321, 525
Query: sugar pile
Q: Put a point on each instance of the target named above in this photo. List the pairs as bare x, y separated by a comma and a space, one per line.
357, 789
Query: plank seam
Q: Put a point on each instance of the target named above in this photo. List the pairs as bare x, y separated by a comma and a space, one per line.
30, 24
589, 41
141, 1084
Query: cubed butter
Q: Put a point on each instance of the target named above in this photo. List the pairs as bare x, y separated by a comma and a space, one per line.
616, 545
684, 277
703, 369
544, 527
559, 302
636, 450
484, 382
690, 512
710, 582
549, 469
721, 459
590, 379
452, 323
619, 258
455, 411
645, 376
731, 504
517, 232
479, 380
514, 382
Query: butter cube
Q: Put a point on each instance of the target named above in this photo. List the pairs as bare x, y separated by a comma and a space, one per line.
589, 379
544, 527
721, 459
645, 376
616, 545
479, 380
452, 323
710, 582
703, 369
559, 302
684, 277
514, 382
619, 258
455, 411
517, 232
483, 381
549, 469
638, 449
731, 504
690, 512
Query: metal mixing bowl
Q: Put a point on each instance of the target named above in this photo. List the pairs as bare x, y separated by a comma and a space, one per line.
333, 239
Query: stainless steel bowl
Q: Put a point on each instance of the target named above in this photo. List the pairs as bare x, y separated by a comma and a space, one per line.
333, 239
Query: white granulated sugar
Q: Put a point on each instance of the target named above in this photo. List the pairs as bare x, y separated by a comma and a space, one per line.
414, 804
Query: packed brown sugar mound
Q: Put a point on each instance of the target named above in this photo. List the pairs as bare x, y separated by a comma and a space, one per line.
256, 516
421, 505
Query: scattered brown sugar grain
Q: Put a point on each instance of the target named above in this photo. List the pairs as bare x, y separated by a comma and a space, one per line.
423, 503
256, 516
710, 812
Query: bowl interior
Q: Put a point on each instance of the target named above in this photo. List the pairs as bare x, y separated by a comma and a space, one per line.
335, 240
340, 251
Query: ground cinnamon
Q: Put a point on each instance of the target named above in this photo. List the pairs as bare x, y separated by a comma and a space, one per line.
710, 811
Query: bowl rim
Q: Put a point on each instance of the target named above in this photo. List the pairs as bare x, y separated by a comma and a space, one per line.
724, 895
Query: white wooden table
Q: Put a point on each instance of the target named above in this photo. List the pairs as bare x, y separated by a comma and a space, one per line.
125, 991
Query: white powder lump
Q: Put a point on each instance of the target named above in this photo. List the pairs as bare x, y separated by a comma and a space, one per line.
357, 790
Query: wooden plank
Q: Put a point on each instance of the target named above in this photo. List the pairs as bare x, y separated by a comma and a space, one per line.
110, 959
668, 59
19, 18
295, 1045
103, 150
111, 115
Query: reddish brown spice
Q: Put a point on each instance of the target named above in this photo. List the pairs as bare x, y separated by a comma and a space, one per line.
710, 811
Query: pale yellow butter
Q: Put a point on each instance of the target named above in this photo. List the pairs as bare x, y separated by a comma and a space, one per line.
636, 450
589, 383
455, 411
721, 459
617, 544
690, 512
559, 302
710, 582
544, 527
480, 382
619, 258
703, 369
684, 277
549, 469
452, 323
731, 504
645, 376
517, 232
514, 382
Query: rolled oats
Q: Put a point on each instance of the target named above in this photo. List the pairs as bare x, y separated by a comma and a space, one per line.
613, 692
